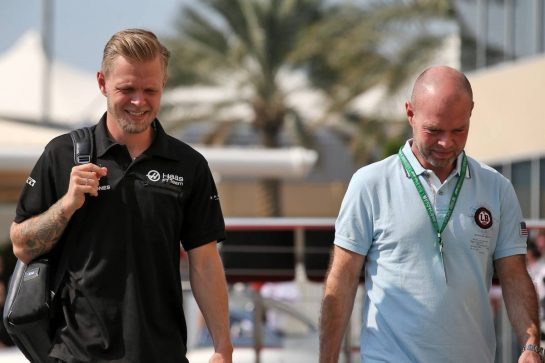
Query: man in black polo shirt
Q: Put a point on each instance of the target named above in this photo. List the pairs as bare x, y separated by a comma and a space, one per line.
124, 217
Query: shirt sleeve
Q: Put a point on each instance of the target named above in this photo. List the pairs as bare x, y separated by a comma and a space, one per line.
512, 234
41, 190
203, 221
354, 225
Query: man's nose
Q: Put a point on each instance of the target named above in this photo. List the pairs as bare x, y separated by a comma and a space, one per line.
446, 140
138, 98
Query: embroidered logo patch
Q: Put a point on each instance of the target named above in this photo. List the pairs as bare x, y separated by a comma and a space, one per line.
153, 175
31, 181
167, 178
483, 218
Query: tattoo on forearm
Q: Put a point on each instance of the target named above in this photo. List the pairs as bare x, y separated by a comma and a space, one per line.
42, 232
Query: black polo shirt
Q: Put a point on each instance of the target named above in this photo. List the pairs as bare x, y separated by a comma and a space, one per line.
122, 301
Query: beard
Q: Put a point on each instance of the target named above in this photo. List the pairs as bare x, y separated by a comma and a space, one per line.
123, 119
435, 162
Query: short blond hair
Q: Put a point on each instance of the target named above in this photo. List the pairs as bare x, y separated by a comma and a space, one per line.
137, 45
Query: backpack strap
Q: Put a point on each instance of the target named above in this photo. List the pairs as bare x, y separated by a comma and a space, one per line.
84, 152
84, 145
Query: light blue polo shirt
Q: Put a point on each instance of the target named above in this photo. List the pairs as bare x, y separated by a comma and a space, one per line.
411, 314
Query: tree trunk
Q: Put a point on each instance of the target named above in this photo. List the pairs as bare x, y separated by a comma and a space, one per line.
270, 203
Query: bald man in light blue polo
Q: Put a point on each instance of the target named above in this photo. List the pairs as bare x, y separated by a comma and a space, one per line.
429, 226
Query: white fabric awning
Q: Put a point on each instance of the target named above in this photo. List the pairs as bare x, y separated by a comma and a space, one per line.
22, 144
73, 93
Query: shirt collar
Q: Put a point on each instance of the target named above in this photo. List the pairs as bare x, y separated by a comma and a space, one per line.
158, 147
419, 169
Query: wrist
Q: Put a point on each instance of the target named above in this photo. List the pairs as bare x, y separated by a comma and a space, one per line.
533, 348
224, 349
66, 207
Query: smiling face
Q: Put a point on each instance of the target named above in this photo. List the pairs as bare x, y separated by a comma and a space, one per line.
439, 115
133, 91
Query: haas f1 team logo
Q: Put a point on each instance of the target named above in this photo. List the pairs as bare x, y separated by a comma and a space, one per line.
483, 218
155, 176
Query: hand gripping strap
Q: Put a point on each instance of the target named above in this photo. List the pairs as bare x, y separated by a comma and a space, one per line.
83, 145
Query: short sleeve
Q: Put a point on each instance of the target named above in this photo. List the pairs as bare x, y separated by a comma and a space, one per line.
47, 181
512, 234
354, 224
203, 221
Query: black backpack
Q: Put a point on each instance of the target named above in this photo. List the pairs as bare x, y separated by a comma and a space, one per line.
28, 308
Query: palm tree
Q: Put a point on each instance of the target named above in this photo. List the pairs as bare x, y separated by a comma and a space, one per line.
342, 48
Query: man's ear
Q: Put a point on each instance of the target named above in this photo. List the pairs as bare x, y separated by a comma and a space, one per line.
409, 112
102, 83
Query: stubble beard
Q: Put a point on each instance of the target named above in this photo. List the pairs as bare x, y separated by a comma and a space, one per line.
132, 128
437, 163
126, 125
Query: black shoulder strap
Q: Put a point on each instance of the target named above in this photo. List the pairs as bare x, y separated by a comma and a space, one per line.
84, 145
84, 152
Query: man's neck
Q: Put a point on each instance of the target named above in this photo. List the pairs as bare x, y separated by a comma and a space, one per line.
136, 143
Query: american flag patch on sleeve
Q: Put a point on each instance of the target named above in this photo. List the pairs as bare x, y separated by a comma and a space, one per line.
523, 229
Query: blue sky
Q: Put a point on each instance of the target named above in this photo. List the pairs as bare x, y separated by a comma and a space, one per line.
81, 28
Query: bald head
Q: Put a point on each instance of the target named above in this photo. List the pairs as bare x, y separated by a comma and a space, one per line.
442, 83
439, 113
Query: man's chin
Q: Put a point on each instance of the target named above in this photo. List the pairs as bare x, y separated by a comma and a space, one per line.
135, 128
443, 163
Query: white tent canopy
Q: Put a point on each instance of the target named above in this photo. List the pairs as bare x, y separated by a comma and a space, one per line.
224, 162
73, 93
76, 100
21, 144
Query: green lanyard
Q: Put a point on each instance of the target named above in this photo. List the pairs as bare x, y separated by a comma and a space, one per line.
426, 200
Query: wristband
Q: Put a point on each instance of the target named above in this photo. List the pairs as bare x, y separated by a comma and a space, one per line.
534, 348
